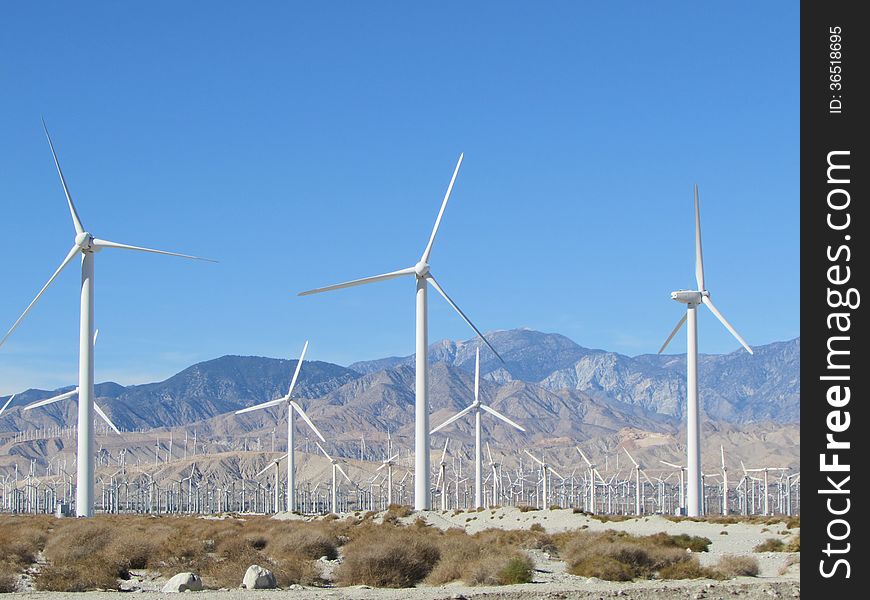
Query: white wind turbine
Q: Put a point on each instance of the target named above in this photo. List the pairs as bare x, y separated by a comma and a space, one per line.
292, 407
442, 476
682, 470
335, 466
85, 245
275, 463
477, 407
638, 500
424, 278
593, 472
692, 299
546, 469
70, 394
389, 463
724, 483
8, 402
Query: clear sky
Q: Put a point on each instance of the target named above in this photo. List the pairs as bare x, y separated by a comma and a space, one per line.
303, 144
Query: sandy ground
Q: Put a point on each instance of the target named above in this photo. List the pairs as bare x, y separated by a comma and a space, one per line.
551, 581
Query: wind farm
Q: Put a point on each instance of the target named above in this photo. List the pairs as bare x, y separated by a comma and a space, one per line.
242, 425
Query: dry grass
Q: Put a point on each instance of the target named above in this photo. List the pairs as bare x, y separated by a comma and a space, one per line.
392, 558
618, 556
8, 578
731, 565
689, 569
770, 545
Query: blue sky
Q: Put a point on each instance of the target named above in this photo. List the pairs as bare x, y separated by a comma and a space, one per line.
302, 145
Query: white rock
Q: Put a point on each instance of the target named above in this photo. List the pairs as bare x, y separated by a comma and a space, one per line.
183, 582
258, 578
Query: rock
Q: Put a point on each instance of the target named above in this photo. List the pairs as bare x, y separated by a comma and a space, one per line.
183, 582
258, 578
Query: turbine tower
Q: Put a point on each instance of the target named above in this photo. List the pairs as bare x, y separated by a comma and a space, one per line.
292, 407
478, 407
423, 275
692, 299
85, 246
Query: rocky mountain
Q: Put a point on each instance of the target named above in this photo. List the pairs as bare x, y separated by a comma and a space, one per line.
555, 387
735, 387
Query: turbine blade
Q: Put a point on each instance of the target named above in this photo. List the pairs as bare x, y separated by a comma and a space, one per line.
489, 453
66, 261
12, 397
722, 449
51, 400
438, 288
670, 464
77, 223
630, 457
535, 458
455, 417
106, 418
298, 367
428, 250
340, 470
699, 255
709, 303
477, 374
363, 281
588, 463
268, 404
498, 415
97, 243
325, 453
673, 333
96, 333
553, 471
295, 406
444, 452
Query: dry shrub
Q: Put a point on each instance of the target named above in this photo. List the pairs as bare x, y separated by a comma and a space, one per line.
79, 576
603, 567
770, 545
393, 558
21, 540
793, 522
689, 569
595, 554
134, 550
526, 508
686, 542
504, 568
794, 544
457, 550
731, 565
306, 542
8, 578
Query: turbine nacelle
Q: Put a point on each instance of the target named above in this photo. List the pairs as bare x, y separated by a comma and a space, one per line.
421, 269
689, 296
85, 242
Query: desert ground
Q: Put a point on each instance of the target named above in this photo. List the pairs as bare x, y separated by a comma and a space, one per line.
550, 577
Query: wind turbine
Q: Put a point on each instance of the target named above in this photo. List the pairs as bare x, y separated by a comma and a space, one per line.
292, 407
724, 483
335, 466
442, 476
389, 463
477, 406
423, 276
8, 402
275, 463
692, 299
85, 245
70, 394
682, 470
546, 469
638, 490
593, 471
